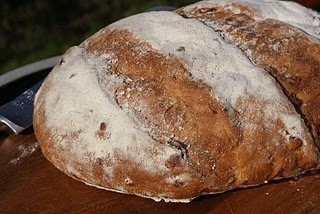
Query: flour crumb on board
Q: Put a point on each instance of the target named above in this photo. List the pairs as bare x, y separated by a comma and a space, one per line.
25, 151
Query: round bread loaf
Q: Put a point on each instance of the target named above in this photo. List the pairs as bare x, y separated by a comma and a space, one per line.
172, 105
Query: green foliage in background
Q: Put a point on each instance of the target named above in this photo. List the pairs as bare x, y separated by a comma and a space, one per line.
31, 30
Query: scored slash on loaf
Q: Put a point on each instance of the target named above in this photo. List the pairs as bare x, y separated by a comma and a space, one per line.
172, 105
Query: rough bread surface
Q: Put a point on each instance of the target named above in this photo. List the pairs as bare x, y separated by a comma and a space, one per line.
172, 105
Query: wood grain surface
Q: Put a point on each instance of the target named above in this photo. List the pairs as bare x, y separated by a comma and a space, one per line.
31, 184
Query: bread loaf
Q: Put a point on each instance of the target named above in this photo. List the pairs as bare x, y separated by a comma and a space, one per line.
172, 105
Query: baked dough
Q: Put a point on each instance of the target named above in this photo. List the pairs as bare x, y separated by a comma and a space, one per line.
172, 105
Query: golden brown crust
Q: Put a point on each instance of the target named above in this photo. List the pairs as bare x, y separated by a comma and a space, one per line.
288, 54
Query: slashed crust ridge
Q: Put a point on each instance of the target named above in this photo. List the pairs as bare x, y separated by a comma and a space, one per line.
174, 109
288, 53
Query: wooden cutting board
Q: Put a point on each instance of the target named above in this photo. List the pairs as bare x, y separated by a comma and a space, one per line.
31, 184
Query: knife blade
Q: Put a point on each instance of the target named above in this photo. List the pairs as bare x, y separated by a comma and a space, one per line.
17, 114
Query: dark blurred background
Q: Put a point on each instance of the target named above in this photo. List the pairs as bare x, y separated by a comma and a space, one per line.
31, 30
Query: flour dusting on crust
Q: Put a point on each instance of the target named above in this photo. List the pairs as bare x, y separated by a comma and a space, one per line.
80, 107
221, 65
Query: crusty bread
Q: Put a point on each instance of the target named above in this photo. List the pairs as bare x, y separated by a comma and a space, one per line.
171, 105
